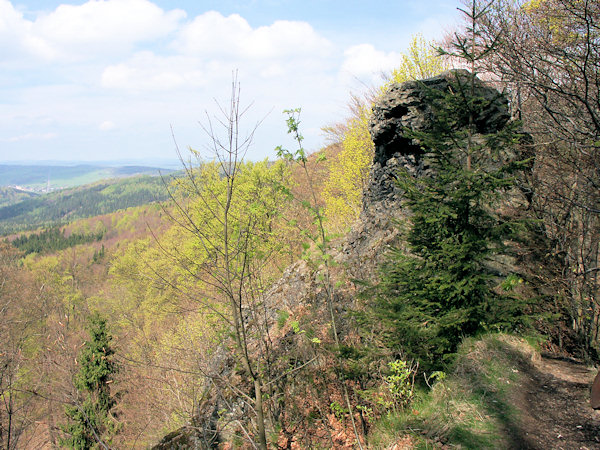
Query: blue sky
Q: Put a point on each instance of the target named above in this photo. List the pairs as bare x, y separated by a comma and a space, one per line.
105, 80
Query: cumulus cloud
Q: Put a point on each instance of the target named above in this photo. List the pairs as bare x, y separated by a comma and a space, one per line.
147, 71
365, 61
16, 36
144, 67
212, 34
84, 31
115, 27
211, 45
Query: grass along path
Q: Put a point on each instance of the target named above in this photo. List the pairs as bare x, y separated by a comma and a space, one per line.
501, 394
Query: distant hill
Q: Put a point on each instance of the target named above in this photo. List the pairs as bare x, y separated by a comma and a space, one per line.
10, 196
38, 177
80, 202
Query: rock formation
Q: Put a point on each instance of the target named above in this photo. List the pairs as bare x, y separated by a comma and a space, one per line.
403, 106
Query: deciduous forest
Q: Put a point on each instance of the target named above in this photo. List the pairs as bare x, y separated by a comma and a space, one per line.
380, 292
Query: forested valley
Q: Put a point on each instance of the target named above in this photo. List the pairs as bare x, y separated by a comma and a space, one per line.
377, 293
26, 211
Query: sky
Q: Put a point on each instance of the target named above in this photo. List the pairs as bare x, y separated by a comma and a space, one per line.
132, 80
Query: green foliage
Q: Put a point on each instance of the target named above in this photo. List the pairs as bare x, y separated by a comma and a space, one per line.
98, 254
53, 239
338, 410
10, 196
254, 204
400, 382
282, 317
90, 421
87, 201
296, 327
471, 406
349, 170
422, 60
511, 282
231, 208
321, 261
320, 238
443, 290
140, 300
385, 388
21, 323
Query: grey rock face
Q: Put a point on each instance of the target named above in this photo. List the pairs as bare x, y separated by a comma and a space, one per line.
405, 107
186, 438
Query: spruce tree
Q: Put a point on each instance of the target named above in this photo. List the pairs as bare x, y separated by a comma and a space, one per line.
91, 424
442, 289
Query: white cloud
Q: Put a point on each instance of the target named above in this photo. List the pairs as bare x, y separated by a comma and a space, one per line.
211, 34
107, 125
108, 22
285, 39
365, 61
272, 71
150, 72
208, 48
16, 37
129, 65
75, 32
214, 35
11, 21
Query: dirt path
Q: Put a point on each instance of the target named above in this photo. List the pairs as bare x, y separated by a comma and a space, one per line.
554, 401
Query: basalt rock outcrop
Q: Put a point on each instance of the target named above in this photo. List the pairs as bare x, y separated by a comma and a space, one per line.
404, 107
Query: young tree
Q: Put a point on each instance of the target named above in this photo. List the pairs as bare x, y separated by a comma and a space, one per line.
320, 239
442, 290
19, 328
420, 61
349, 170
91, 423
230, 209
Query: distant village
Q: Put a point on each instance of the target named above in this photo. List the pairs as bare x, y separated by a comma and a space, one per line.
37, 189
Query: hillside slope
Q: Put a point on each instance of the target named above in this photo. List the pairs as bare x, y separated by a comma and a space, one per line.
85, 201
332, 374
10, 196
